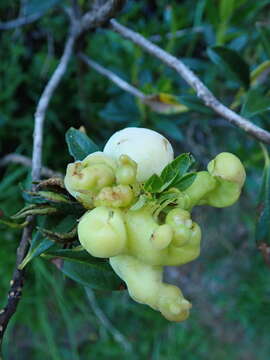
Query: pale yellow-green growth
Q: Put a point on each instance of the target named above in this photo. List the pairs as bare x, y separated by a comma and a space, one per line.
141, 240
85, 178
102, 232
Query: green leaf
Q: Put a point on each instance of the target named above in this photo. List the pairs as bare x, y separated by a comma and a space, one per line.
6, 221
185, 182
262, 230
79, 144
195, 104
39, 6
86, 269
264, 32
174, 171
226, 8
153, 184
178, 167
255, 103
230, 61
139, 204
170, 175
38, 246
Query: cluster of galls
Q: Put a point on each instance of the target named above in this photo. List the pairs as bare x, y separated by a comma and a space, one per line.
138, 243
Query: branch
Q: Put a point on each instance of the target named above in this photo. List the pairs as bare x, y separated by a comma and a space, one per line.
18, 275
112, 76
44, 102
89, 20
21, 21
100, 14
154, 101
201, 90
24, 160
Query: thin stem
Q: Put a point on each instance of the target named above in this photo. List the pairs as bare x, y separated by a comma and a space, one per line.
24, 160
44, 102
112, 76
201, 90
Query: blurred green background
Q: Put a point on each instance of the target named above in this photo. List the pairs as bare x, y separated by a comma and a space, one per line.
229, 284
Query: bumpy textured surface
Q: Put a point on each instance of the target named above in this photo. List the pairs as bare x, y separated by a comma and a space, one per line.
139, 240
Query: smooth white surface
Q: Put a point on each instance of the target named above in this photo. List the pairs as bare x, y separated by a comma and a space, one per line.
151, 150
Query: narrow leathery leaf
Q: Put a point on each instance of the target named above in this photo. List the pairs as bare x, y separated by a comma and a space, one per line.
54, 182
37, 6
258, 76
230, 61
264, 31
72, 207
35, 209
85, 269
37, 247
165, 104
79, 144
12, 224
185, 182
195, 104
61, 238
49, 196
153, 184
179, 166
139, 203
174, 171
226, 8
58, 201
262, 230
255, 103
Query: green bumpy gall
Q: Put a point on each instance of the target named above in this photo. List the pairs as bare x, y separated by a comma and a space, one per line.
139, 243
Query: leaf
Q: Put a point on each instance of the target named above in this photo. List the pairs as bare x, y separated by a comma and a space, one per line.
139, 204
226, 8
38, 6
121, 111
153, 184
230, 61
255, 103
265, 37
79, 144
174, 171
165, 104
179, 166
86, 269
195, 104
60, 237
42, 196
262, 230
170, 175
34, 209
185, 182
6, 221
38, 246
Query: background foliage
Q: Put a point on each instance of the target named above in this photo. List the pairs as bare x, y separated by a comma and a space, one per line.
225, 42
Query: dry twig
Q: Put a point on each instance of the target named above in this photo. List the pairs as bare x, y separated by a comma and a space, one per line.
24, 160
201, 90
91, 19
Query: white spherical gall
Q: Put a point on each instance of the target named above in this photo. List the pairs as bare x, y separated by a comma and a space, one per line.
151, 151
102, 232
